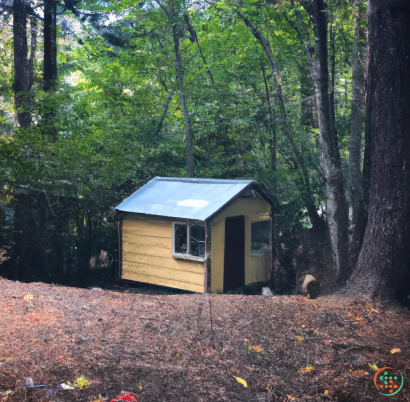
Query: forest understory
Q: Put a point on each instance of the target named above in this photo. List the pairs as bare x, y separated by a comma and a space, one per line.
195, 347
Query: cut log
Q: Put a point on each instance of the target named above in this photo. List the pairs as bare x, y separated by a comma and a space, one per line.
310, 286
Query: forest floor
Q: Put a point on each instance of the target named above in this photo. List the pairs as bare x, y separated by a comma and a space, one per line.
195, 347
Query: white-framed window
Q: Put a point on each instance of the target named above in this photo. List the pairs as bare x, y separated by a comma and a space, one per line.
188, 241
260, 238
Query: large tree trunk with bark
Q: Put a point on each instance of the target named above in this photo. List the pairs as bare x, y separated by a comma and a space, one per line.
33, 48
50, 44
336, 205
307, 95
356, 128
50, 63
21, 64
383, 268
332, 57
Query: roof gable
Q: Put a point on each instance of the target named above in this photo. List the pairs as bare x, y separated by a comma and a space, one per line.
183, 198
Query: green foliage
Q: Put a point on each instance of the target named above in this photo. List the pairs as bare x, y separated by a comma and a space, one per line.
116, 74
81, 383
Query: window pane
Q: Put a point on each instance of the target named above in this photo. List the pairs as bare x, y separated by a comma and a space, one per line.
180, 238
198, 241
260, 238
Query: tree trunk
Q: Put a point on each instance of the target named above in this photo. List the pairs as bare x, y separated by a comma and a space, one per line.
188, 128
336, 205
272, 142
383, 268
164, 114
272, 151
194, 38
333, 72
50, 44
356, 127
21, 64
314, 217
307, 95
173, 16
50, 64
33, 48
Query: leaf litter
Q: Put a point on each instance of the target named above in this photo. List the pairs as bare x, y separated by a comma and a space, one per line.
294, 348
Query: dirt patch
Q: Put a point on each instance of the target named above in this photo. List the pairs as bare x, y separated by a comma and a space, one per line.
191, 347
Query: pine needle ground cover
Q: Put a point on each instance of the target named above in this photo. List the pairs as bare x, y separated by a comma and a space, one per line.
196, 347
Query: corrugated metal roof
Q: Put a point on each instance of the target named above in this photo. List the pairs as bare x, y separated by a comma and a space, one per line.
183, 198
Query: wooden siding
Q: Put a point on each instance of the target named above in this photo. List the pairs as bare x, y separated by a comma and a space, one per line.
147, 256
254, 209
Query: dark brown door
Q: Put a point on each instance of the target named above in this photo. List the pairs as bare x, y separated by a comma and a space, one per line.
234, 266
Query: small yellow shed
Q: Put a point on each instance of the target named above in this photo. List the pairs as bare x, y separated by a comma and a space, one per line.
201, 235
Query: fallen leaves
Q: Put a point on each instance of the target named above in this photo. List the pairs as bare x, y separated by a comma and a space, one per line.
242, 381
296, 343
372, 310
307, 369
100, 398
326, 392
81, 383
373, 367
257, 348
395, 350
35, 319
358, 373
42, 319
4, 395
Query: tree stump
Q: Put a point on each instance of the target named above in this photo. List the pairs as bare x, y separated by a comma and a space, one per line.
310, 286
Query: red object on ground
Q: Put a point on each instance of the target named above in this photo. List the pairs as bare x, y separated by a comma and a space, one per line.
128, 397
